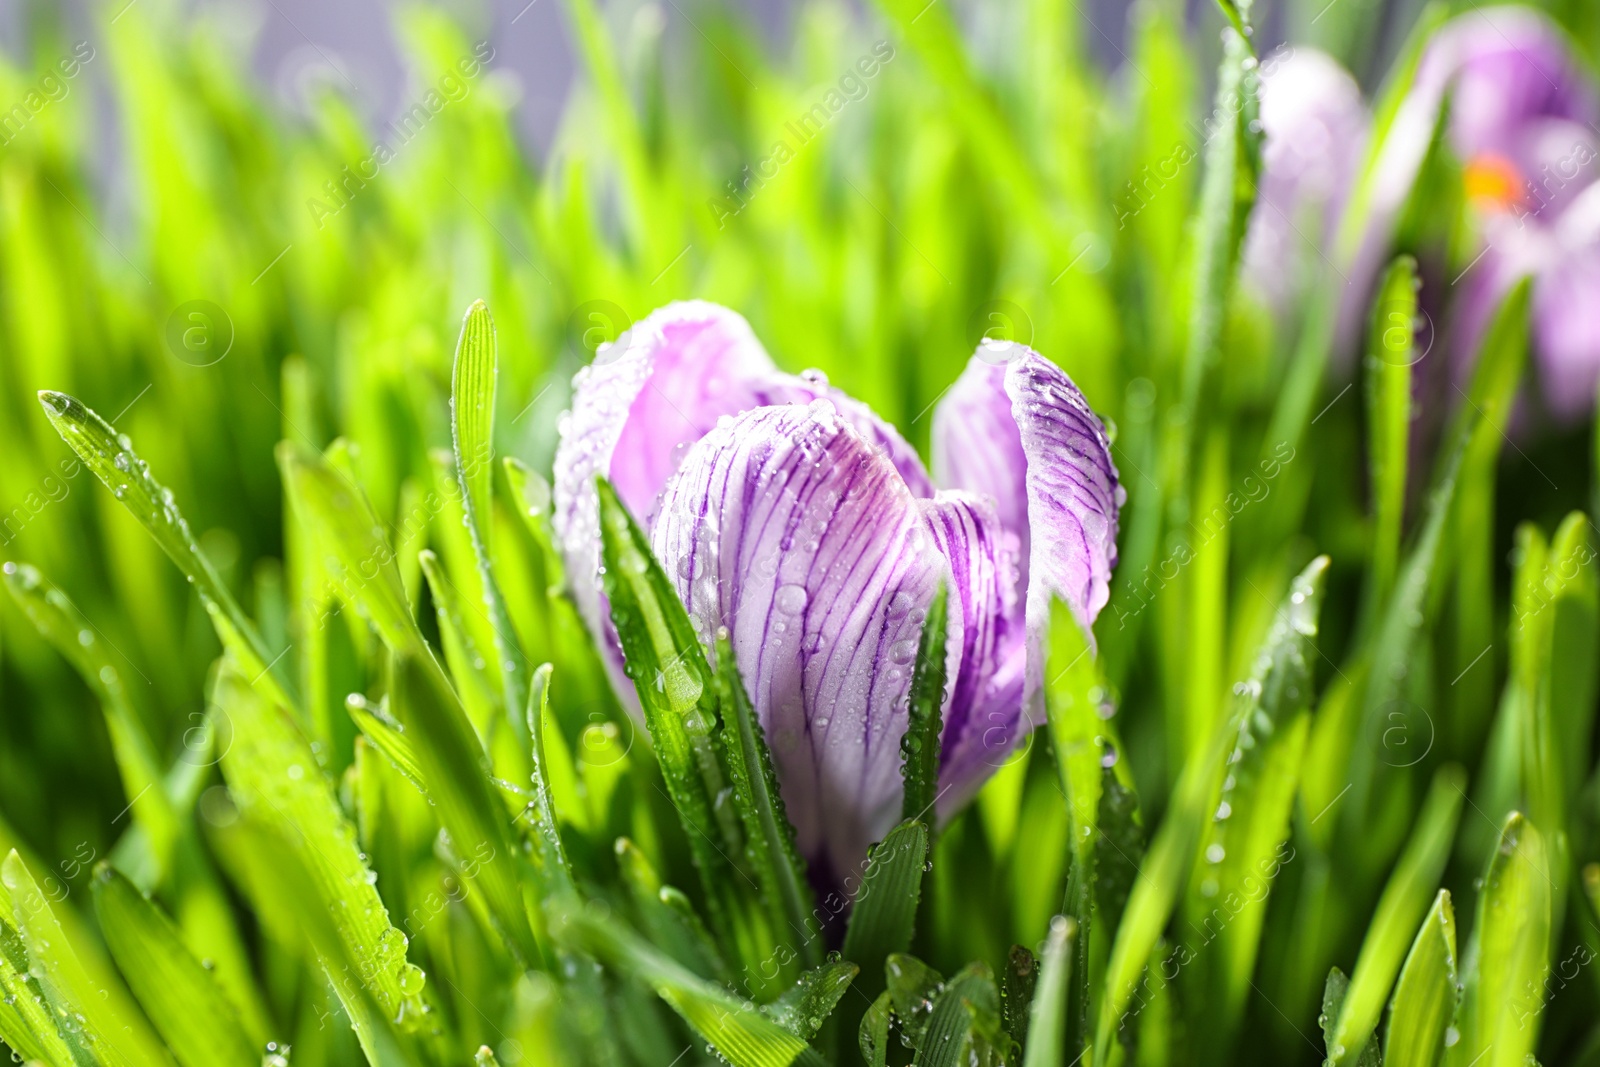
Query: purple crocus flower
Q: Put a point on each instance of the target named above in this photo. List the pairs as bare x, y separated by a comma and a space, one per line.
1522, 123
1315, 128
800, 521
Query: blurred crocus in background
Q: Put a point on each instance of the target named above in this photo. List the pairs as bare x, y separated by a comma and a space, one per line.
797, 519
1521, 124
1521, 121
1315, 127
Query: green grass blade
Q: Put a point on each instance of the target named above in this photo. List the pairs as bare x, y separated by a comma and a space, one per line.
387, 736
768, 832
356, 549
454, 766
1482, 417
277, 781
1426, 996
112, 459
1403, 904
546, 830
919, 746
1278, 685
885, 912
1390, 355
1244, 846
472, 426
1047, 1025
181, 997
28, 1024
739, 1031
1017, 987
805, 1007
1227, 193
874, 1036
967, 1008
1556, 680
104, 1014
1504, 995
669, 920
275, 871
58, 620
678, 694
468, 666
1075, 693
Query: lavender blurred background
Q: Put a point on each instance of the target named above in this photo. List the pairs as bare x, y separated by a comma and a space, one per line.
298, 39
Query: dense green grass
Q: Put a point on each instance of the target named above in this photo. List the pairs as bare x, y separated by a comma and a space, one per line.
269, 785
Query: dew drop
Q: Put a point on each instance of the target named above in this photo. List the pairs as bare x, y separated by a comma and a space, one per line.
790, 599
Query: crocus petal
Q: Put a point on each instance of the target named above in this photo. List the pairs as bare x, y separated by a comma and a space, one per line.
1566, 314
661, 387
986, 652
789, 528
1510, 66
1016, 427
1514, 85
1315, 125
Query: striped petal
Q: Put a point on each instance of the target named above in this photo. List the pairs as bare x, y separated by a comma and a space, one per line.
787, 526
660, 388
983, 717
1016, 427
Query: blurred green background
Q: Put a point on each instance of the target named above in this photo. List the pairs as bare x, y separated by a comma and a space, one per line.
214, 256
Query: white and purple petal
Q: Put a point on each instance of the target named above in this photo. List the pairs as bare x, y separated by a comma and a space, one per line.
658, 389
1315, 125
789, 528
1015, 426
985, 662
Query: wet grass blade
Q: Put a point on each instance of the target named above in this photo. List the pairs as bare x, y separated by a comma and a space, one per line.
874, 1035
277, 781
181, 997
1426, 996
1227, 193
919, 746
1278, 684
678, 694
472, 396
387, 736
1512, 941
103, 1014
768, 832
964, 1019
741, 1033
669, 921
58, 620
468, 664
1390, 354
356, 549
546, 829
885, 912
805, 1007
1047, 1026
1403, 904
456, 770
1017, 987
1081, 738
1243, 848
112, 459
28, 1023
